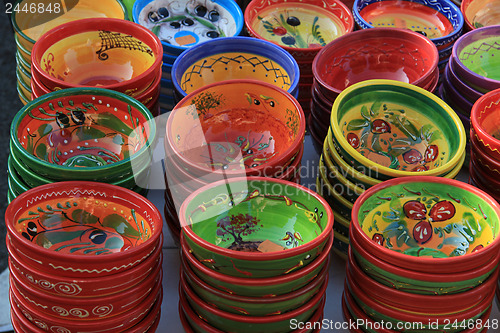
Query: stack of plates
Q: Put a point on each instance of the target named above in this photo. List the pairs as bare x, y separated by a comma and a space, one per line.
244, 269
84, 257
480, 13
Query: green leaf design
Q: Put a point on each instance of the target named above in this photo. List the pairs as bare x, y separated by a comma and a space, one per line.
156, 30
51, 220
49, 239
88, 133
374, 109
425, 252
111, 121
364, 112
44, 129
120, 224
84, 217
315, 32
41, 152
407, 128
357, 124
478, 25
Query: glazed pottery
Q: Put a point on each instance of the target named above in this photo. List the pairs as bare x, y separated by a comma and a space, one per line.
418, 228
480, 13
454, 97
129, 230
484, 121
471, 94
409, 129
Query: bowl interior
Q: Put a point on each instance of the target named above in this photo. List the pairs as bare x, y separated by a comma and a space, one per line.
298, 24
480, 55
398, 128
429, 218
481, 13
254, 212
235, 125
82, 128
185, 23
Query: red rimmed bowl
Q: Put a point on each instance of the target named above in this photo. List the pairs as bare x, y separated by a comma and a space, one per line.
55, 228
110, 53
450, 226
480, 13
379, 53
488, 165
485, 122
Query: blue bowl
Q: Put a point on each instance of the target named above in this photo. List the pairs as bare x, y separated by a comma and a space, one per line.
445, 7
168, 59
262, 55
184, 35
165, 83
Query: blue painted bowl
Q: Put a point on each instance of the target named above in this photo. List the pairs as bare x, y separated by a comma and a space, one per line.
168, 59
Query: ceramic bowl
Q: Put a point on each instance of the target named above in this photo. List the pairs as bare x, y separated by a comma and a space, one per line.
125, 236
342, 185
109, 53
378, 53
484, 175
231, 236
473, 58
58, 135
266, 129
439, 20
471, 94
454, 97
23, 52
409, 129
258, 287
427, 210
333, 196
484, 121
300, 28
185, 23
235, 58
480, 13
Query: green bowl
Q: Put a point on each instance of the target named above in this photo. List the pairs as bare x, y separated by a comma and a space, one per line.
16, 184
256, 227
26, 66
342, 206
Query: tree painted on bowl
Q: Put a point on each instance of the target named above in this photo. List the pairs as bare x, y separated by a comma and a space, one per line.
235, 227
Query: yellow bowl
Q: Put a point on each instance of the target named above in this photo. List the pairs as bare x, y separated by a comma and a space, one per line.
21, 62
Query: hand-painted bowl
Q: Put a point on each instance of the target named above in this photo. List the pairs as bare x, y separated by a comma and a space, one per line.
484, 176
109, 53
485, 122
473, 58
454, 97
181, 24
432, 224
83, 133
24, 52
397, 128
378, 53
235, 58
235, 127
232, 226
439, 20
480, 13
471, 94
301, 28
83, 229
258, 287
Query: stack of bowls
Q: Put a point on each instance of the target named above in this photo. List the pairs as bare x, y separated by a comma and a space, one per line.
440, 20
383, 129
377, 53
84, 257
424, 253
301, 28
234, 58
81, 134
245, 269
485, 144
480, 13
30, 24
181, 24
110, 53
229, 129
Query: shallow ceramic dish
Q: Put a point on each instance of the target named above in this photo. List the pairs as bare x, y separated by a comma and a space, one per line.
450, 226
300, 28
485, 122
109, 53
266, 129
439, 20
258, 287
124, 238
235, 58
378, 53
83, 133
410, 130
185, 23
480, 13
227, 235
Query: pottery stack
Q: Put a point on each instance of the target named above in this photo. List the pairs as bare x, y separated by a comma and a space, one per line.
424, 256
31, 19
183, 24
302, 29
87, 134
84, 257
244, 269
480, 13
384, 129
377, 53
231, 129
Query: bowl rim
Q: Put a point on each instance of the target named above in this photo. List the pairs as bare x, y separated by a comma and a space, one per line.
478, 109
16, 206
273, 163
386, 171
77, 92
73, 28
255, 256
254, 46
452, 77
435, 264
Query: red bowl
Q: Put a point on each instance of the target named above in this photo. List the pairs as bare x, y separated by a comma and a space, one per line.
112, 231
482, 179
377, 53
489, 164
485, 120
112, 46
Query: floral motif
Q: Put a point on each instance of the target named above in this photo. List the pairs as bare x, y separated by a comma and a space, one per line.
288, 29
